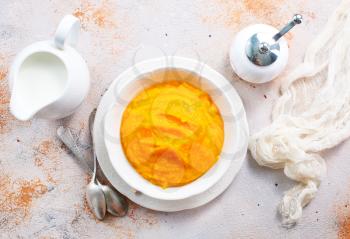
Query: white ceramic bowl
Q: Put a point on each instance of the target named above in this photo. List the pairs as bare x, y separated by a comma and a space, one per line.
130, 82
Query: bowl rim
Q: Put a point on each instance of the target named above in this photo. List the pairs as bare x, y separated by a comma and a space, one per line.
112, 141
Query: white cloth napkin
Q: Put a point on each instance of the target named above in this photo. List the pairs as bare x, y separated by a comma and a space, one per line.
312, 114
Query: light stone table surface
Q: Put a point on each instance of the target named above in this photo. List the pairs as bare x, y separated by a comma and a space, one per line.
42, 186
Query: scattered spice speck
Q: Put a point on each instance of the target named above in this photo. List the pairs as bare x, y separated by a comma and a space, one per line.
46, 157
45, 147
5, 116
265, 96
145, 218
38, 162
3, 74
344, 228
91, 14
237, 13
343, 221
5, 120
4, 94
17, 195
265, 10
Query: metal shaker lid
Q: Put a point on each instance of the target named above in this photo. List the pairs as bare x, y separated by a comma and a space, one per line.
262, 49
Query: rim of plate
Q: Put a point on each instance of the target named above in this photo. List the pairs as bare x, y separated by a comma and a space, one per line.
151, 203
221, 88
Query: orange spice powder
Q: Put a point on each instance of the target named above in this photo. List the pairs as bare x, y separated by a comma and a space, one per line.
17, 195
99, 15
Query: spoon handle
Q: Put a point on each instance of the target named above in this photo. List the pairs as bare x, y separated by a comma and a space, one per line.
70, 141
91, 128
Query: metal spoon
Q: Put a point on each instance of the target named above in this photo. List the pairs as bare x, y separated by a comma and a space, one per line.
116, 203
94, 193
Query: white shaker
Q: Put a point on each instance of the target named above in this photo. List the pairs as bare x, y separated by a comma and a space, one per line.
259, 52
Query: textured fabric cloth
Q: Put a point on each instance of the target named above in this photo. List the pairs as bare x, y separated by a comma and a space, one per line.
312, 114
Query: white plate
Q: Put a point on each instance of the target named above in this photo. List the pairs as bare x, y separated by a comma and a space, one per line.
134, 80
108, 100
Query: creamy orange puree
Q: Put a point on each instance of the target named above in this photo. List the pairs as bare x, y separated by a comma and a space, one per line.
172, 133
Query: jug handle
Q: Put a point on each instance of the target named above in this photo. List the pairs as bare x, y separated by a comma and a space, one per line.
67, 32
